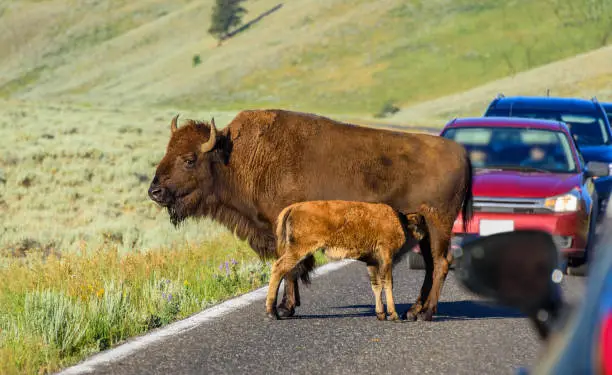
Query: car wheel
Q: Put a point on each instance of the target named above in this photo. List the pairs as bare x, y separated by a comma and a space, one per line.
416, 261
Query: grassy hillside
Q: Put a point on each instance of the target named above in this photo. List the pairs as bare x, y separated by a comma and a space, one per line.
583, 76
331, 56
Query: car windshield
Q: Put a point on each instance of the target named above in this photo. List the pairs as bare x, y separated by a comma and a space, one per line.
516, 148
587, 129
609, 113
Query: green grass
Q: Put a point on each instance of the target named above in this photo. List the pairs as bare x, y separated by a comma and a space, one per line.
57, 309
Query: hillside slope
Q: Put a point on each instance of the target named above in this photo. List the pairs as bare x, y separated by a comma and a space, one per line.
583, 76
331, 56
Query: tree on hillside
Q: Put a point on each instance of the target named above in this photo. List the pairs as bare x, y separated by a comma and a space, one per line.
226, 14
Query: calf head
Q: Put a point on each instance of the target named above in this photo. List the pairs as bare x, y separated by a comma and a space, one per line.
184, 179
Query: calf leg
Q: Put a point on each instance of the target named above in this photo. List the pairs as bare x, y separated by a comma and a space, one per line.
265, 243
375, 282
280, 268
386, 273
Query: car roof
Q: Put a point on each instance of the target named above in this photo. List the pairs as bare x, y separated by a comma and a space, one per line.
507, 122
607, 106
545, 103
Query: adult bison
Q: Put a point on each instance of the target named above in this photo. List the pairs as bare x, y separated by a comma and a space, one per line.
265, 160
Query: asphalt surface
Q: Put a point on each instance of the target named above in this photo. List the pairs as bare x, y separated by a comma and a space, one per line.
335, 331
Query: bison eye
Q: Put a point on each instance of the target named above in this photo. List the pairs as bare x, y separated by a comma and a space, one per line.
190, 163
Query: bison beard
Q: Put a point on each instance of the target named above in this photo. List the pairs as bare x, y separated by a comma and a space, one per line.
176, 214
183, 207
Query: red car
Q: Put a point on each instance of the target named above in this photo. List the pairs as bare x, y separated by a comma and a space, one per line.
528, 173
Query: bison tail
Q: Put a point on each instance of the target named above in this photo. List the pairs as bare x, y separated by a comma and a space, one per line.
468, 200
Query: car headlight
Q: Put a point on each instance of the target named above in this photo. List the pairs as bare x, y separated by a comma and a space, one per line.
564, 203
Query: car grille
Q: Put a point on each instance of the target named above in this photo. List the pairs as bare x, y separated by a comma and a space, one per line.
510, 205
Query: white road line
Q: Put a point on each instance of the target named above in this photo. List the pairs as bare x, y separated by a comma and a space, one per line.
141, 342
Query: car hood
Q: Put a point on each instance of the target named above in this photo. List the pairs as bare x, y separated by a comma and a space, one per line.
522, 184
597, 153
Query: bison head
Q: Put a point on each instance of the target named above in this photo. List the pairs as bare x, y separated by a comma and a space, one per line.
183, 179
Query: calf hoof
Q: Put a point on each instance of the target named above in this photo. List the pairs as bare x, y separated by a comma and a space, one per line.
381, 316
394, 317
284, 312
273, 315
426, 316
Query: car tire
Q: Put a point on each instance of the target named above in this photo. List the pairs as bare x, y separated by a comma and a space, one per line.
416, 261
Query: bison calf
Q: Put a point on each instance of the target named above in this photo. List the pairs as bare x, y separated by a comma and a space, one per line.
370, 232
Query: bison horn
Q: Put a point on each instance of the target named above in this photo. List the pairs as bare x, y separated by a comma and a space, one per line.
173, 126
210, 144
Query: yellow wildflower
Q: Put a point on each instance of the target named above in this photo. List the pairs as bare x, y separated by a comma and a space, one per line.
100, 292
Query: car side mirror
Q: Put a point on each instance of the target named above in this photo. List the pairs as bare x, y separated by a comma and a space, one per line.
597, 169
517, 269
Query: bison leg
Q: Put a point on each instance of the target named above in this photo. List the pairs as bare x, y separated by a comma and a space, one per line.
440, 243
386, 274
377, 287
290, 296
415, 309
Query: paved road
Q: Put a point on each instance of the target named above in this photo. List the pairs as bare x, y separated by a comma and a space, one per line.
335, 332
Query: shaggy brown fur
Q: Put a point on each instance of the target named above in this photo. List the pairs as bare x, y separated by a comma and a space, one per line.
373, 233
265, 160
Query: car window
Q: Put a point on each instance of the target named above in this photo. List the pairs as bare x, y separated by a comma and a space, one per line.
586, 128
580, 157
516, 148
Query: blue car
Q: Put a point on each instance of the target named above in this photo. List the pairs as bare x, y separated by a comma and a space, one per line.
608, 108
587, 120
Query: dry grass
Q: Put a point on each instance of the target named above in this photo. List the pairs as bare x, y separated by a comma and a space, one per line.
71, 175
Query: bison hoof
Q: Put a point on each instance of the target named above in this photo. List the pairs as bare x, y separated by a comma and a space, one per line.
426, 316
284, 312
381, 316
409, 316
